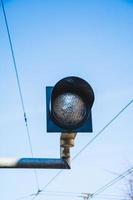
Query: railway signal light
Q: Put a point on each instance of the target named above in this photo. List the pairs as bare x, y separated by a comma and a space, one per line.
69, 105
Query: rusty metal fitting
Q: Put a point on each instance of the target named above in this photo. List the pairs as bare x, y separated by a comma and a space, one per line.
65, 152
67, 140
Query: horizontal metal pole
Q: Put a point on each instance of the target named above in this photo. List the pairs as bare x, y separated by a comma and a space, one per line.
40, 163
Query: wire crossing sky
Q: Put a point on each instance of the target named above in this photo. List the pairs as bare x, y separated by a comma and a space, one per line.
52, 40
121, 176
92, 140
19, 87
112, 182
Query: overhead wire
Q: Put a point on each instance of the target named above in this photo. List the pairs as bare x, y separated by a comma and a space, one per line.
110, 195
112, 198
26, 123
102, 130
75, 194
97, 192
52, 179
101, 189
112, 182
19, 86
92, 140
52, 193
59, 195
26, 196
63, 192
66, 194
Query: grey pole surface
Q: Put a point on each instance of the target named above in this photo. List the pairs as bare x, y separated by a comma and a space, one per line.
40, 163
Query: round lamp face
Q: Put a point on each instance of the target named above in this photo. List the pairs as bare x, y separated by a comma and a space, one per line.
69, 110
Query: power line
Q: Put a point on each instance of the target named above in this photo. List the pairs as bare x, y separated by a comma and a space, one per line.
52, 179
64, 192
112, 198
102, 130
26, 196
109, 184
74, 194
100, 190
19, 86
52, 193
24, 112
92, 140
59, 195
25, 119
110, 195
112, 182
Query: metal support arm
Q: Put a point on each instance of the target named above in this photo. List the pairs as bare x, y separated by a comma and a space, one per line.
66, 141
40, 163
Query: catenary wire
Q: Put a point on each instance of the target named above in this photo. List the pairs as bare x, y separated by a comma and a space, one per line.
52, 179
66, 194
22, 102
81, 195
63, 192
74, 194
110, 195
19, 86
112, 198
23, 107
25, 117
52, 192
112, 182
59, 195
100, 190
94, 138
99, 133
26, 196
77, 194
102, 130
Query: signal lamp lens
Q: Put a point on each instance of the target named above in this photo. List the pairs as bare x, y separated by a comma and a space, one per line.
69, 110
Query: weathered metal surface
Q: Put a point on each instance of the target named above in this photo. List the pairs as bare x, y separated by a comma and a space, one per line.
67, 139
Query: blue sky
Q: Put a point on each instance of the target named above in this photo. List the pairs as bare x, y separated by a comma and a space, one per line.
53, 39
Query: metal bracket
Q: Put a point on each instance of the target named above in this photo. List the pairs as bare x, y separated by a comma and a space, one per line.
40, 163
66, 141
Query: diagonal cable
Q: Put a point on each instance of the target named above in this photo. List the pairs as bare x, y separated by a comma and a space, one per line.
99, 133
26, 196
112, 182
19, 86
52, 179
102, 130
92, 140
